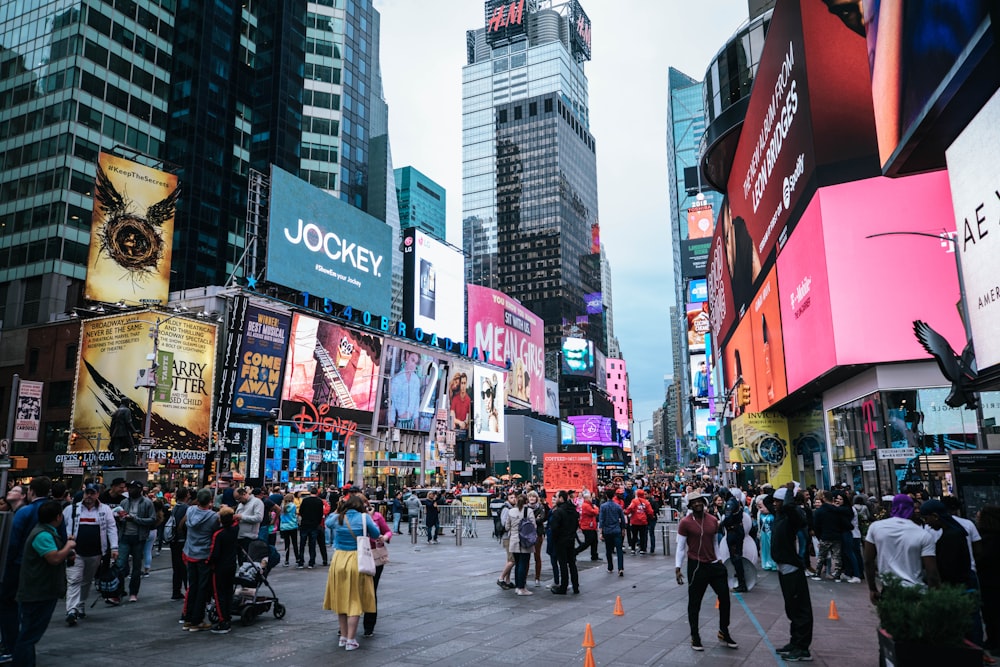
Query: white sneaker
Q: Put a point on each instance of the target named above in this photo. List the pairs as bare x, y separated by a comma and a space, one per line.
524, 591
852, 580
538, 582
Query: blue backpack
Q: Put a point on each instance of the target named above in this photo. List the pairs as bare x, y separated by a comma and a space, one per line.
527, 532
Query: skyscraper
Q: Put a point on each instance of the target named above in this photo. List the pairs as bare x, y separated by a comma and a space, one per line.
529, 196
421, 202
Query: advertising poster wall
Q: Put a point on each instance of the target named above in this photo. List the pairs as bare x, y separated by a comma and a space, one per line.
262, 358
697, 326
551, 398
434, 275
699, 378
701, 222
694, 257
974, 174
28, 418
412, 388
593, 429
322, 245
737, 361
769, 356
503, 328
488, 404
697, 291
762, 439
131, 232
460, 387
565, 472
330, 366
113, 349
578, 357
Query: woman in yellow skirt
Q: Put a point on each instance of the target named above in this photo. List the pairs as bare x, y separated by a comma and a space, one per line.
349, 593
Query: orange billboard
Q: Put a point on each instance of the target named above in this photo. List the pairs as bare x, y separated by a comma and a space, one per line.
569, 472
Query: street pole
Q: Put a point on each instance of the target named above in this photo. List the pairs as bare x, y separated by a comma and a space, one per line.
531, 454
15, 387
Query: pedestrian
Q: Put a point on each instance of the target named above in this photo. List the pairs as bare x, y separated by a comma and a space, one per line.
588, 524
638, 512
397, 511
201, 522
385, 535
788, 520
656, 504
696, 541
541, 511
41, 580
504, 580
249, 516
732, 521
413, 506
136, 516
563, 524
177, 566
349, 593
311, 533
521, 551
289, 528
897, 545
92, 526
432, 514
222, 559
765, 522
611, 529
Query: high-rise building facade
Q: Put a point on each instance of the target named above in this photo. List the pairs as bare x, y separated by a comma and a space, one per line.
421, 202
529, 200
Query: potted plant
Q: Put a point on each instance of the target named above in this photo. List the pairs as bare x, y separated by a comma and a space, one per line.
920, 626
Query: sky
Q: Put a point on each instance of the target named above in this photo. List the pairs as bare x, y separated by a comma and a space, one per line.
634, 42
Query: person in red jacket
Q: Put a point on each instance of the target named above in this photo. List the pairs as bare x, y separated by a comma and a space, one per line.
638, 513
588, 524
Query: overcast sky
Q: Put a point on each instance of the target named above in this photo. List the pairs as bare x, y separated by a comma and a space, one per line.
634, 42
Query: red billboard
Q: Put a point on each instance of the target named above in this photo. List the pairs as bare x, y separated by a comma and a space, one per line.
737, 362
769, 357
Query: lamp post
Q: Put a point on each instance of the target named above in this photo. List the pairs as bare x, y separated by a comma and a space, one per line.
531, 454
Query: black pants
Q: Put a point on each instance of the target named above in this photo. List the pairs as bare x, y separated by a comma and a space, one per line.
736, 556
798, 607
991, 615
312, 537
291, 540
222, 591
199, 585
179, 568
700, 577
372, 616
638, 540
589, 542
565, 554
632, 536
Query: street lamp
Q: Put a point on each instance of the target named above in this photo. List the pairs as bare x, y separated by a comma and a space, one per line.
531, 454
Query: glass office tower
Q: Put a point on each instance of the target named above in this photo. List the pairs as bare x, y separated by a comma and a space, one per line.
421, 202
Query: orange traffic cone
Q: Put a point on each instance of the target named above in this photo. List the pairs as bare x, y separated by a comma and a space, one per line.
619, 611
588, 660
588, 638
833, 615
716, 603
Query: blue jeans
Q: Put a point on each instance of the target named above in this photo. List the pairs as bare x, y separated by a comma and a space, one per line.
432, 531
613, 544
521, 562
396, 518
651, 532
129, 545
311, 536
34, 619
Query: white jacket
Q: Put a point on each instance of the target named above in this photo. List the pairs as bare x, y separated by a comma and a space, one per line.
100, 514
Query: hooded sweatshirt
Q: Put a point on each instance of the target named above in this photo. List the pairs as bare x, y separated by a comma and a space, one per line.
200, 524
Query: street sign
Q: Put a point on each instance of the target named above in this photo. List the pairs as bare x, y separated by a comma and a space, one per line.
73, 470
868, 464
143, 448
149, 442
897, 453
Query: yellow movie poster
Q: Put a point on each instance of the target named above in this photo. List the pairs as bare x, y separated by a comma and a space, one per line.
113, 369
131, 232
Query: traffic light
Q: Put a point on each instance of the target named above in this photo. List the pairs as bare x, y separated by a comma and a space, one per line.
72, 439
743, 395
276, 430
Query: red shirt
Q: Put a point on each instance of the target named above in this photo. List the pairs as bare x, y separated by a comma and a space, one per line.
588, 516
700, 536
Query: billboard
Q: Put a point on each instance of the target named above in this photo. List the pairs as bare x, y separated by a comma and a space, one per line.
594, 302
488, 404
28, 418
737, 362
700, 381
694, 257
506, 21
594, 429
330, 366
768, 357
579, 30
261, 362
974, 174
551, 398
567, 433
113, 349
412, 388
761, 438
434, 279
131, 232
565, 472
578, 357
319, 244
460, 389
697, 291
508, 332
700, 222
697, 326
914, 48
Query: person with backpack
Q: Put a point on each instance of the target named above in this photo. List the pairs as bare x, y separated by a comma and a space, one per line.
523, 531
92, 525
173, 535
610, 530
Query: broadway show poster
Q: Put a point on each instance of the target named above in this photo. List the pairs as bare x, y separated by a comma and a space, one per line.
29, 411
112, 352
131, 232
488, 404
412, 388
261, 362
330, 366
460, 398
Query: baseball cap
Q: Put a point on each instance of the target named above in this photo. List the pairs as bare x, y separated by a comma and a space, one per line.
91, 487
782, 494
136, 482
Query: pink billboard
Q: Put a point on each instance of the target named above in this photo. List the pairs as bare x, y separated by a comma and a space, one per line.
499, 326
871, 289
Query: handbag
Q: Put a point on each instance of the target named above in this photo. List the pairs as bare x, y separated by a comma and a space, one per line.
381, 554
366, 561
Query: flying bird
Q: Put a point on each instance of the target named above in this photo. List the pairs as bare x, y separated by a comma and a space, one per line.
960, 371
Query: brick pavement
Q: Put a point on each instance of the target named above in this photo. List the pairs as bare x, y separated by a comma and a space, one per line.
439, 604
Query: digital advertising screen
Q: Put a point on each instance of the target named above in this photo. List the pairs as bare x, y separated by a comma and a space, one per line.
488, 404
737, 362
551, 398
412, 388
567, 433
504, 329
594, 303
697, 326
697, 291
319, 244
112, 352
460, 390
578, 357
594, 429
331, 366
701, 222
131, 232
694, 257
434, 276
262, 354
700, 383
769, 357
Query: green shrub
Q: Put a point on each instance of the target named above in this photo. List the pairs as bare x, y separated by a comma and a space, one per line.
939, 616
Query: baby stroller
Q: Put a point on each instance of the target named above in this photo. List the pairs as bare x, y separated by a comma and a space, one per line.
249, 598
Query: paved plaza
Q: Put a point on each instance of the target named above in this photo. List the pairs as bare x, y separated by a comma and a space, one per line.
439, 604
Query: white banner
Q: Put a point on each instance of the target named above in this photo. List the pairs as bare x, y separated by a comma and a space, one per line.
29, 412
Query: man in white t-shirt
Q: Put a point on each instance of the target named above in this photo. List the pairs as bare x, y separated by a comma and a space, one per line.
899, 546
